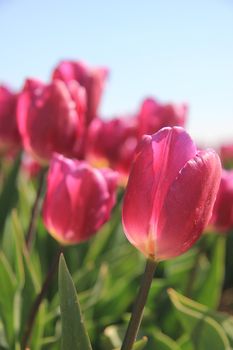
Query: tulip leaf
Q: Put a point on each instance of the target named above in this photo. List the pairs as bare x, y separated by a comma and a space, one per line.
226, 321
140, 344
162, 342
29, 286
74, 334
185, 343
105, 239
214, 275
7, 292
204, 331
9, 194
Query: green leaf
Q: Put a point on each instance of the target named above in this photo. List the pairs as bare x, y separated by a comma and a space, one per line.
226, 321
21, 246
74, 334
140, 344
214, 276
162, 342
7, 291
9, 194
105, 239
178, 270
185, 343
29, 285
204, 331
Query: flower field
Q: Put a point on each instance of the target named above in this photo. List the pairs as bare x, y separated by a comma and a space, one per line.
115, 233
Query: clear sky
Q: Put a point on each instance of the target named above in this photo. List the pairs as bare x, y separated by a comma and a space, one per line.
174, 50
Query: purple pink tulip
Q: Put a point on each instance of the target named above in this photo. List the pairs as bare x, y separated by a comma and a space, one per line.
154, 115
50, 118
170, 193
92, 79
9, 134
113, 142
79, 199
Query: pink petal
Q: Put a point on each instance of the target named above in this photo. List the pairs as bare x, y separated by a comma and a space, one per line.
188, 205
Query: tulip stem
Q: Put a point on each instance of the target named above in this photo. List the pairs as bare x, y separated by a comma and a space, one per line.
39, 299
35, 211
139, 304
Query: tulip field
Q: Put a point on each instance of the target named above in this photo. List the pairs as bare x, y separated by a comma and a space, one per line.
115, 233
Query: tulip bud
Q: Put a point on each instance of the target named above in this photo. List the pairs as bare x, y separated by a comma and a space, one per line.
112, 142
222, 218
79, 199
170, 193
153, 116
9, 135
92, 79
50, 118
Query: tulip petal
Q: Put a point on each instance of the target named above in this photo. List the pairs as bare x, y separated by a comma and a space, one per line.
222, 218
57, 217
138, 200
188, 205
89, 202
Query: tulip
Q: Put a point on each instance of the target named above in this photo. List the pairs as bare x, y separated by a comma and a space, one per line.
113, 143
170, 193
79, 199
9, 134
92, 79
222, 218
50, 118
153, 116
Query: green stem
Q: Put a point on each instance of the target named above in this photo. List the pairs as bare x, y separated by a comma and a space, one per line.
140, 302
30, 235
37, 302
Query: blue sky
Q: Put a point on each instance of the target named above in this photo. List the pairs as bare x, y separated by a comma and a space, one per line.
173, 50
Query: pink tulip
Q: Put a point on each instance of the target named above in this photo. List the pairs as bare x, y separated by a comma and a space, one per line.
9, 135
92, 79
153, 116
112, 142
50, 118
222, 218
170, 193
79, 199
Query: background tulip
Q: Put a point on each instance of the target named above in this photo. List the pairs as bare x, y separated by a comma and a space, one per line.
222, 218
154, 115
92, 79
9, 135
113, 142
50, 118
78, 200
170, 193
